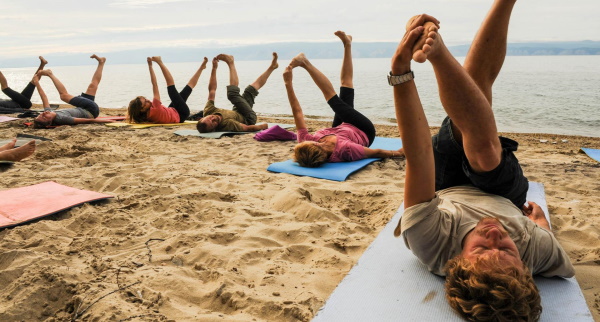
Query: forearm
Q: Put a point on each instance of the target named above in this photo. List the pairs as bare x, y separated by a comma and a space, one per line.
295, 106
155, 91
45, 102
380, 153
256, 127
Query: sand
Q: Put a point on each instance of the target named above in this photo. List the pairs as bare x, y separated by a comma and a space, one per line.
200, 231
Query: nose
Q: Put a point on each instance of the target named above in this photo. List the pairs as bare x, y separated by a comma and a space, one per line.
494, 234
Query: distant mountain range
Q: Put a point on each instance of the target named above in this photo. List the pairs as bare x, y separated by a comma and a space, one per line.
314, 50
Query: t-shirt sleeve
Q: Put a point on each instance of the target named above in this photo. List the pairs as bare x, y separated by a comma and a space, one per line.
209, 108
350, 151
229, 125
549, 258
156, 103
63, 119
427, 233
303, 135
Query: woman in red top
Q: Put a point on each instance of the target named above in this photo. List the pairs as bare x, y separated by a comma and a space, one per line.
351, 133
143, 110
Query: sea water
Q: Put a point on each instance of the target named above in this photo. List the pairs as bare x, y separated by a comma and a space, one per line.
533, 94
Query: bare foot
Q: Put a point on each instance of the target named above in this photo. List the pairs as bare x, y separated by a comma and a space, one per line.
101, 60
9, 145
157, 59
287, 75
204, 62
299, 60
346, 39
433, 41
274, 64
215, 63
226, 58
45, 72
20, 153
428, 27
43, 62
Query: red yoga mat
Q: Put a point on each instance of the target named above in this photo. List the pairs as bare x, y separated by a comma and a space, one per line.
20, 205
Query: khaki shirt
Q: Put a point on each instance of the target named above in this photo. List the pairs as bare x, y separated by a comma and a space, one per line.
434, 230
232, 120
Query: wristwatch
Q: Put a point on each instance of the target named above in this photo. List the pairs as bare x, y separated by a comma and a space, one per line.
394, 80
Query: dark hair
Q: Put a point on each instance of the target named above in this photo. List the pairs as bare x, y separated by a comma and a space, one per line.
40, 125
135, 113
309, 155
490, 290
201, 127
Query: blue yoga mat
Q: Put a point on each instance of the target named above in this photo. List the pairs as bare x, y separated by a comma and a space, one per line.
338, 171
592, 153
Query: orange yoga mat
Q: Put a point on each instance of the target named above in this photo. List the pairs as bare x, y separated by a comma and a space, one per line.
20, 205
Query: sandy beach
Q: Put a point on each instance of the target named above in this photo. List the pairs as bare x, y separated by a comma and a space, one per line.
198, 230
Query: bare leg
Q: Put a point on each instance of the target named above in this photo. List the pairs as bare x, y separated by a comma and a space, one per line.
36, 82
165, 70
467, 106
93, 87
43, 63
262, 79
18, 154
3, 82
488, 50
64, 95
9, 145
212, 83
318, 77
194, 80
347, 73
233, 76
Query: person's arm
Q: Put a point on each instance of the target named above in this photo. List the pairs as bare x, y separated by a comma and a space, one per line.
254, 128
45, 102
534, 212
413, 127
379, 153
294, 103
80, 120
155, 91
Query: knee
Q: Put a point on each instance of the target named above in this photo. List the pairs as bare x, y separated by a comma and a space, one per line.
484, 158
66, 97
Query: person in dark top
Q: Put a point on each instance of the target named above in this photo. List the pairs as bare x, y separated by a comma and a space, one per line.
18, 100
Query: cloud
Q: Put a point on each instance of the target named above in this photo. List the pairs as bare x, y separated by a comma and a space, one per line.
141, 3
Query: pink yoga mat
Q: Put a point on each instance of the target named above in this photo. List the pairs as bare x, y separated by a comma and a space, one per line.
20, 205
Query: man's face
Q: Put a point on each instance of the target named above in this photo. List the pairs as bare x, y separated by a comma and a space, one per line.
489, 239
211, 121
46, 117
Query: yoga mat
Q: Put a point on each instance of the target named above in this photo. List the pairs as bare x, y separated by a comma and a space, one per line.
114, 118
218, 135
390, 284
146, 125
592, 153
24, 138
336, 171
20, 205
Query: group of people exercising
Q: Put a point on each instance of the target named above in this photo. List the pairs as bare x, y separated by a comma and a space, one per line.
466, 216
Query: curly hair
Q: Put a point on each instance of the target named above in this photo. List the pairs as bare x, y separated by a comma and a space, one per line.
135, 113
490, 290
309, 155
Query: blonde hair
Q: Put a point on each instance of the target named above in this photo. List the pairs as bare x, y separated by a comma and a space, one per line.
309, 155
135, 113
491, 290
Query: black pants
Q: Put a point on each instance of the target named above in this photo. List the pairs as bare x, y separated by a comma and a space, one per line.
23, 99
343, 106
178, 101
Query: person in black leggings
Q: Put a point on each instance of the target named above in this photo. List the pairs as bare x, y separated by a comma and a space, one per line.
19, 100
143, 110
351, 133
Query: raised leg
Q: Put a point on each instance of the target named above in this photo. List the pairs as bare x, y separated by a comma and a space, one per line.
212, 83
488, 50
318, 77
165, 71
3, 82
233, 76
347, 72
262, 79
18, 154
64, 95
93, 87
194, 80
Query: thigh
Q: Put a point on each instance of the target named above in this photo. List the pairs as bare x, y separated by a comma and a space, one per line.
507, 180
347, 95
87, 103
178, 103
17, 97
249, 95
347, 113
449, 157
240, 104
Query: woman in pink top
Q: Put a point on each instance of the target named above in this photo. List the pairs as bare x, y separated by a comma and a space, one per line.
351, 133
142, 110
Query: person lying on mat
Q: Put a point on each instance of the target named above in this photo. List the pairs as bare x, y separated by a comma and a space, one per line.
8, 152
143, 110
465, 191
85, 111
351, 133
20, 100
242, 117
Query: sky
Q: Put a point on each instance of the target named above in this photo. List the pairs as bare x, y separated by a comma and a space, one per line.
42, 27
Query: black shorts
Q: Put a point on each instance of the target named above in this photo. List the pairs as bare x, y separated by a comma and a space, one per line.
86, 102
452, 168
